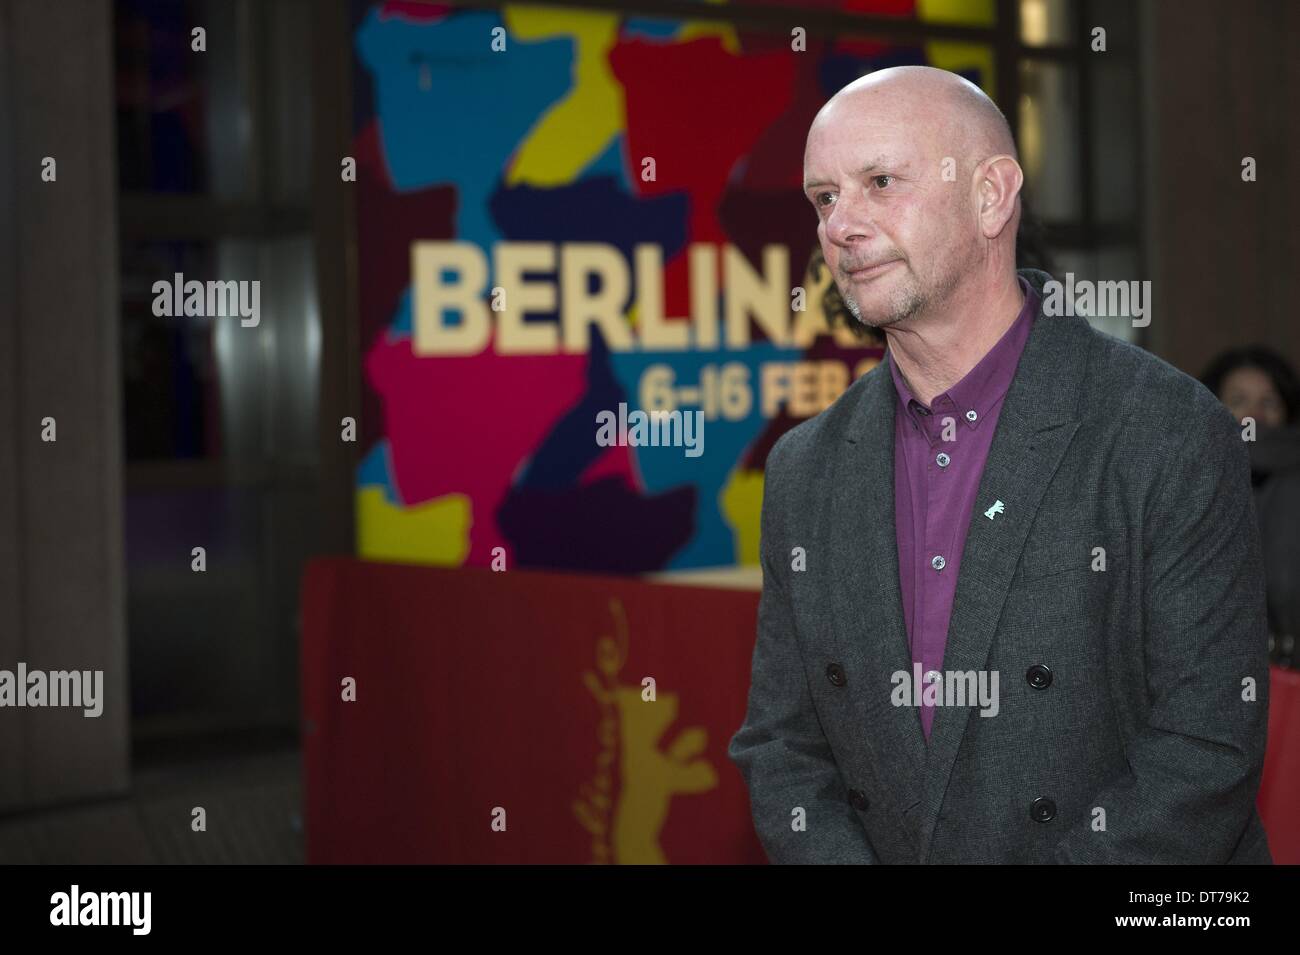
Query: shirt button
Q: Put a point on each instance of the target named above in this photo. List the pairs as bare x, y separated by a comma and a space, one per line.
971, 415
942, 459
938, 562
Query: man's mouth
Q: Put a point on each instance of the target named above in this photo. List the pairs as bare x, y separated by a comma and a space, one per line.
871, 271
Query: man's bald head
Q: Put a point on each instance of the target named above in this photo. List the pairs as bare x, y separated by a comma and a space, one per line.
948, 104
914, 170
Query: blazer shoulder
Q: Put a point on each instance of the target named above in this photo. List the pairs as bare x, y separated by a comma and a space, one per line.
1143, 391
810, 440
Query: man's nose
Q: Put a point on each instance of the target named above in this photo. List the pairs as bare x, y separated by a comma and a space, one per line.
849, 219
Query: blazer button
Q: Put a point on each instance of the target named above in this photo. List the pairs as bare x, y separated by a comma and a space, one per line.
835, 673
1039, 676
1042, 809
858, 800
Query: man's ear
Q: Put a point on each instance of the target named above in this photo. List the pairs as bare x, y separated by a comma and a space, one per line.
998, 181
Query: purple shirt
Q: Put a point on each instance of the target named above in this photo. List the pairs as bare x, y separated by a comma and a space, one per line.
935, 482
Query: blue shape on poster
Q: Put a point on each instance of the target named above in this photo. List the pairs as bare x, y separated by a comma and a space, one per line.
838, 70
451, 110
400, 326
568, 449
643, 28
595, 209
373, 470
661, 468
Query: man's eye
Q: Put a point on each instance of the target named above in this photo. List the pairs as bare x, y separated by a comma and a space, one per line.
818, 198
879, 183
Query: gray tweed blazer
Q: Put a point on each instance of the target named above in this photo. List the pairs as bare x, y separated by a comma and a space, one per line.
1133, 699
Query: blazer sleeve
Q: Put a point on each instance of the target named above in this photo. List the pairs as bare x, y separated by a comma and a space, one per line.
780, 748
1195, 767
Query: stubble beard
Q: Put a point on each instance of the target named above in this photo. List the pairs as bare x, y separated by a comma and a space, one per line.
903, 303
909, 299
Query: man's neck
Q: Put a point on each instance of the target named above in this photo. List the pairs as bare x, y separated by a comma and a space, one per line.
936, 350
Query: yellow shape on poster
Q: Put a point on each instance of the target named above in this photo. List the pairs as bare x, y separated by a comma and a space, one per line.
742, 505
435, 532
578, 128
697, 29
957, 56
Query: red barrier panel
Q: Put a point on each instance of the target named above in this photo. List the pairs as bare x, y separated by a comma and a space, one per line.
1279, 793
501, 717
517, 699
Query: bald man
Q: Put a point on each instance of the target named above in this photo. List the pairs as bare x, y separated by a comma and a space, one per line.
1013, 606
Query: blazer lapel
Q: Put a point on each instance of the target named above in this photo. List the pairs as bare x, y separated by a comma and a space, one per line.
865, 596
1036, 425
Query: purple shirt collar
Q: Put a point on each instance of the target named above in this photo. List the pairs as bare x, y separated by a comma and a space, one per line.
969, 400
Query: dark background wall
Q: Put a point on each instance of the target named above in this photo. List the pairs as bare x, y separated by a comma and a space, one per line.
1222, 81
61, 554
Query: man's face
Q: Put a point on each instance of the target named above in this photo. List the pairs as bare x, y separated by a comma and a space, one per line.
898, 238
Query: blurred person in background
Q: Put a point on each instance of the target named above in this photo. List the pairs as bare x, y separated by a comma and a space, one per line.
1256, 382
